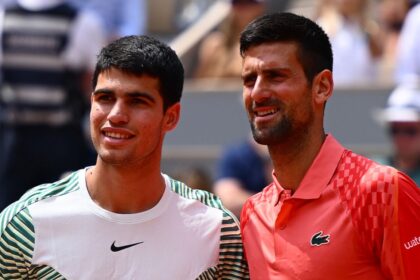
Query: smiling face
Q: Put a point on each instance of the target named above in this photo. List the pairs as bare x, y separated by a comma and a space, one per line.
276, 93
127, 119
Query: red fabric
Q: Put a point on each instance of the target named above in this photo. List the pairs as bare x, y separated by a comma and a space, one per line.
350, 218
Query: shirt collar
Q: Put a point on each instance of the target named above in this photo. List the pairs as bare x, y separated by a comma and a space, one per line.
320, 172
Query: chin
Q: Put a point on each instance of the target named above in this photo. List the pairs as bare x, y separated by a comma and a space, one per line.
270, 136
264, 138
112, 159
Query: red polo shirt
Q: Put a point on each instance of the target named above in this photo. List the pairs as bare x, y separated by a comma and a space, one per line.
350, 218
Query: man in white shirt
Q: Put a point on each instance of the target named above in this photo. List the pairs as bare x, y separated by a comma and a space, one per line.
122, 218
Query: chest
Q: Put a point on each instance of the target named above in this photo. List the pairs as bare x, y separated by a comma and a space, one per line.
316, 238
90, 248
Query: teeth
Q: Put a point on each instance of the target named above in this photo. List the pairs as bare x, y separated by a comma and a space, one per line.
116, 135
265, 113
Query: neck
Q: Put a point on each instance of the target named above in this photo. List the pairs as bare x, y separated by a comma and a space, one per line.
292, 158
125, 189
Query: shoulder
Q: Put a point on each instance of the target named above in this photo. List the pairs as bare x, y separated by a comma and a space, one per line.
261, 201
232, 264
373, 177
205, 198
370, 190
358, 176
17, 230
36, 194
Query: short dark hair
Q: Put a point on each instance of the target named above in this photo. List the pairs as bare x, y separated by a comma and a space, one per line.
314, 47
144, 55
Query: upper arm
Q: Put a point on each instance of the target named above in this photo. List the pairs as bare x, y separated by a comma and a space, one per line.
232, 263
401, 244
384, 206
16, 245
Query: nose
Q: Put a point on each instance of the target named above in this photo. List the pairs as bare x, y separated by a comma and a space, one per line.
118, 113
260, 91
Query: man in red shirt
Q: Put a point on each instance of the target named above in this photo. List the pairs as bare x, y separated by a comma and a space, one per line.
329, 213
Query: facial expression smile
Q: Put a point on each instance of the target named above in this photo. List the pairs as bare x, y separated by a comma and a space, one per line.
116, 136
265, 111
275, 92
128, 122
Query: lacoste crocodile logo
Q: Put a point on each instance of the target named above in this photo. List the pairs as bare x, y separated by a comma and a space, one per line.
318, 239
119, 248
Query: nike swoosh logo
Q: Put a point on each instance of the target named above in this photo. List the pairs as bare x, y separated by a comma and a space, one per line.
119, 248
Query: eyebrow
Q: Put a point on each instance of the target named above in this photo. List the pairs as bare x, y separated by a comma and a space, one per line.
267, 71
134, 94
276, 70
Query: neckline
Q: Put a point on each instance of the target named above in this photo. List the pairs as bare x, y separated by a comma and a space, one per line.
140, 217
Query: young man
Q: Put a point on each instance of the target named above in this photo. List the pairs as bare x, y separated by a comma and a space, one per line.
122, 218
330, 213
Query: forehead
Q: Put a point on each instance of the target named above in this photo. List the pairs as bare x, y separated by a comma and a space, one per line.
124, 80
268, 55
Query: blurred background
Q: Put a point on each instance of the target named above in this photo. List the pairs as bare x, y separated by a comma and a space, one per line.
371, 62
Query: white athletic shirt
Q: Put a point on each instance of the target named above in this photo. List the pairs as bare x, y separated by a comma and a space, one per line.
56, 231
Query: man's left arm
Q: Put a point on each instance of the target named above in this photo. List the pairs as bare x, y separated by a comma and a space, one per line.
400, 252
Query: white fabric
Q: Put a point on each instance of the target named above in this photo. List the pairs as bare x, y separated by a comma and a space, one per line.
175, 226
352, 60
35, 5
87, 39
408, 51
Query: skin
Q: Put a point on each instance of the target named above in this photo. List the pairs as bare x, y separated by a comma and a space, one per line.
285, 110
128, 126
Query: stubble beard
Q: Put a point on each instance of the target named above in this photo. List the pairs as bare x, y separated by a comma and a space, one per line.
272, 135
286, 131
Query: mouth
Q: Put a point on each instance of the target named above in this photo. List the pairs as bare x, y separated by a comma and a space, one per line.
116, 135
265, 112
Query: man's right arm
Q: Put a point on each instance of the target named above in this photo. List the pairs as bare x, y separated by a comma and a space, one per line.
16, 243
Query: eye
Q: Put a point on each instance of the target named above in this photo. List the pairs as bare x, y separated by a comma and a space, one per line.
249, 81
138, 101
104, 97
276, 76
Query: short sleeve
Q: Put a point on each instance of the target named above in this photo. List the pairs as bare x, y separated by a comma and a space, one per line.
16, 244
404, 232
232, 263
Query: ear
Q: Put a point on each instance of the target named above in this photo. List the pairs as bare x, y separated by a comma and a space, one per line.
322, 87
171, 117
